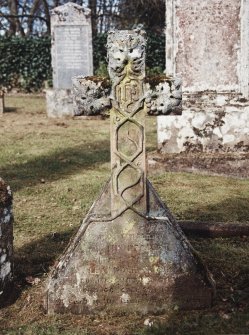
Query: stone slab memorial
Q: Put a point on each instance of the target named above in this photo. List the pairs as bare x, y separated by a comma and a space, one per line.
71, 55
6, 241
129, 254
207, 44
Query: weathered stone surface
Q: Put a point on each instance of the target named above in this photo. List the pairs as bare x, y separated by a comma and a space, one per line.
207, 44
59, 103
91, 95
71, 54
71, 44
210, 122
203, 43
166, 97
6, 240
129, 254
126, 55
129, 264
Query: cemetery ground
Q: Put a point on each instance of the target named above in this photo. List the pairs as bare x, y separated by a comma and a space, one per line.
56, 168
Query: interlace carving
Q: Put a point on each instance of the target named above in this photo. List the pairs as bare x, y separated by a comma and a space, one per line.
126, 55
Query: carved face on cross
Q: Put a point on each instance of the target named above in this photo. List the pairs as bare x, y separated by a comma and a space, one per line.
126, 53
130, 98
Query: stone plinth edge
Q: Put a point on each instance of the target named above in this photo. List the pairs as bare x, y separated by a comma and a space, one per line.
6, 241
59, 103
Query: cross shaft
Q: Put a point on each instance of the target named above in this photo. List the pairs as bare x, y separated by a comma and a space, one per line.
126, 54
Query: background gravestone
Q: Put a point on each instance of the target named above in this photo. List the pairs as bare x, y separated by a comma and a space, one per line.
129, 254
207, 44
71, 55
6, 240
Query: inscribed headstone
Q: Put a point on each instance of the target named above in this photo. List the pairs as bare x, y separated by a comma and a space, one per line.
71, 54
71, 44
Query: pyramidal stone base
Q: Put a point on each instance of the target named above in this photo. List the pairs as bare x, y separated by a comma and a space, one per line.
131, 263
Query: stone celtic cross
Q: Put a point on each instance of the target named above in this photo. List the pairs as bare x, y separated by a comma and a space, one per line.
129, 254
129, 99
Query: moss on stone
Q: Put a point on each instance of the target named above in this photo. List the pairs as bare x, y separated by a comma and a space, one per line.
105, 82
156, 80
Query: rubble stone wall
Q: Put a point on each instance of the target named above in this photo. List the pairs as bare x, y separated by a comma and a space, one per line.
210, 122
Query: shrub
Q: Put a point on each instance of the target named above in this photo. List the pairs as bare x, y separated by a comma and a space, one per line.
25, 62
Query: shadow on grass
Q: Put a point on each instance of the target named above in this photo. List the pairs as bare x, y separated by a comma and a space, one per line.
56, 165
35, 259
11, 109
226, 258
231, 209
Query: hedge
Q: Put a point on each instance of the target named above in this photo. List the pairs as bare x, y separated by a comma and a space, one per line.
25, 63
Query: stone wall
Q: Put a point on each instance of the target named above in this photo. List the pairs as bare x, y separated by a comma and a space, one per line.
207, 45
210, 122
6, 239
212, 58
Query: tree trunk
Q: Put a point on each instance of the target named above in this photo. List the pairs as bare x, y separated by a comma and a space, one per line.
12, 4
33, 10
93, 6
47, 15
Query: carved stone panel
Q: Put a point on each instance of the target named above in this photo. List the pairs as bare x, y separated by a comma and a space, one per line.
126, 54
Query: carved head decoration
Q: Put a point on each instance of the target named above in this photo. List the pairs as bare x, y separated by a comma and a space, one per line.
126, 54
126, 66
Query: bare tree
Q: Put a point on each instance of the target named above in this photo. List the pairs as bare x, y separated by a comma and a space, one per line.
93, 6
32, 17
28, 17
18, 17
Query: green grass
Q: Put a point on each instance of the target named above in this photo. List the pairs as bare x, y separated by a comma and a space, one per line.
56, 169
204, 198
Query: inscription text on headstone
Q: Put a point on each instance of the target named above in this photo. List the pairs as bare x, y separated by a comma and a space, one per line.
71, 54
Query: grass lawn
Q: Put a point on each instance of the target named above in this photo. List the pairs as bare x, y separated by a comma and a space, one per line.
56, 169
